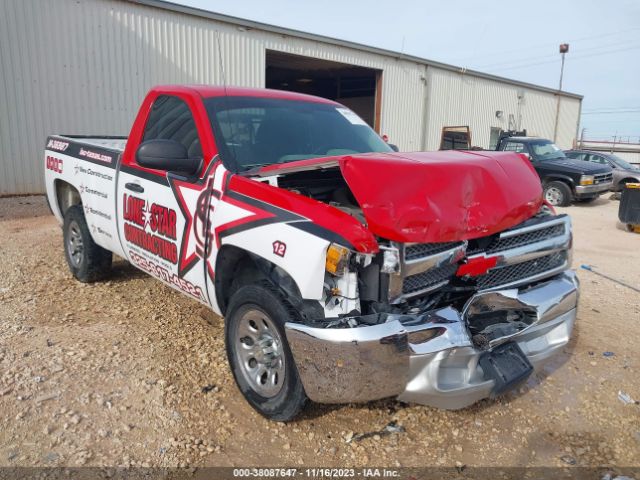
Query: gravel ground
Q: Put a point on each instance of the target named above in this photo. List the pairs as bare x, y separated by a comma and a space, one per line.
130, 372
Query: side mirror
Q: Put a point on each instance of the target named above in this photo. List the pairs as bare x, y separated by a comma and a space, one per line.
394, 147
167, 155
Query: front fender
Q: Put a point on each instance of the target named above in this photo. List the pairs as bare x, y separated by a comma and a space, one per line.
299, 253
560, 177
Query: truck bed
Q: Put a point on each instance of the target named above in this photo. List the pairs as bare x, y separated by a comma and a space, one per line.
85, 166
115, 144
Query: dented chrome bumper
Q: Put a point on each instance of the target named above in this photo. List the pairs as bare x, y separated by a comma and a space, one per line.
433, 358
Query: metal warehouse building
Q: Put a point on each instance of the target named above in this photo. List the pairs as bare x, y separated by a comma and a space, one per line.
83, 67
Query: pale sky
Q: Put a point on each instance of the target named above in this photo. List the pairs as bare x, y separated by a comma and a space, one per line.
517, 40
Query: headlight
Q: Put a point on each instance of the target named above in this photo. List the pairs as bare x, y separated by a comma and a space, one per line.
337, 259
390, 260
586, 180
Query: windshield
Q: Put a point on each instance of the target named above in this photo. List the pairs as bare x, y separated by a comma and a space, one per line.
546, 150
622, 163
254, 131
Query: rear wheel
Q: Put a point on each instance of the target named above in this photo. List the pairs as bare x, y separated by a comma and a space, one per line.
259, 355
87, 260
557, 194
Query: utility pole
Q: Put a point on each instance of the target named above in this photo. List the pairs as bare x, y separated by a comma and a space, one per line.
564, 48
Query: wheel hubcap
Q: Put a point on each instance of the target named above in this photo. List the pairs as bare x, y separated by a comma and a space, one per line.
553, 196
258, 348
75, 245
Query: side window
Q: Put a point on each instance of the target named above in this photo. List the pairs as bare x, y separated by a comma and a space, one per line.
171, 119
494, 137
575, 155
596, 159
515, 147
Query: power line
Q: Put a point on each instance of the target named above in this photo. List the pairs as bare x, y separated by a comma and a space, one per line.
514, 62
612, 112
572, 58
598, 109
538, 45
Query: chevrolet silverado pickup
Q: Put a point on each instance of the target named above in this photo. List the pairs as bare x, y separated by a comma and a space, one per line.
345, 271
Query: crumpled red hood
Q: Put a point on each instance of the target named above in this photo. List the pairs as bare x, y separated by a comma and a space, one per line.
442, 196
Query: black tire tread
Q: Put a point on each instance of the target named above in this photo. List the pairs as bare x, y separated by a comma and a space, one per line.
566, 190
97, 261
292, 399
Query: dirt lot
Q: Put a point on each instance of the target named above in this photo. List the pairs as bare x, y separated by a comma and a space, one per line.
113, 374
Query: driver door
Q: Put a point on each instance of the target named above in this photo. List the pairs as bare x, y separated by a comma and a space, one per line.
158, 217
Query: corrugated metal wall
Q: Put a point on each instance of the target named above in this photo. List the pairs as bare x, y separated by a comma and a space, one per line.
83, 67
457, 99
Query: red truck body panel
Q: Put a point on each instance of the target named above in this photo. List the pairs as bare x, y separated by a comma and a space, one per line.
435, 196
442, 196
346, 229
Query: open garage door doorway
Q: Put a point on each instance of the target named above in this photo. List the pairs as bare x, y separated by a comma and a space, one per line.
358, 88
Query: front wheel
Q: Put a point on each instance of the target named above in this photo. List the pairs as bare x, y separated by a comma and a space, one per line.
557, 194
259, 354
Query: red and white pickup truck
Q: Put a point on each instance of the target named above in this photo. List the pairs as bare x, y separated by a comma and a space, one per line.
345, 271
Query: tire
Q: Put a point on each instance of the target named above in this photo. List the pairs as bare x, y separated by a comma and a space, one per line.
87, 261
276, 393
558, 194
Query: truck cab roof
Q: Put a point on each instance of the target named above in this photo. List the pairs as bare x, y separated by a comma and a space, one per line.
208, 91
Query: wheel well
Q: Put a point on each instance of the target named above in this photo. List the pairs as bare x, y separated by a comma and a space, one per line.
627, 180
66, 195
236, 268
568, 183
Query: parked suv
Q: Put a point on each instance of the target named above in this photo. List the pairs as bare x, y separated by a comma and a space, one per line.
563, 179
623, 171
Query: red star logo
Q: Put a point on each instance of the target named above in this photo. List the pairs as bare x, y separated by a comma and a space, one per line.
209, 214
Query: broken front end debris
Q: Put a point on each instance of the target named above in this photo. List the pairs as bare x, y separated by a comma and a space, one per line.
443, 332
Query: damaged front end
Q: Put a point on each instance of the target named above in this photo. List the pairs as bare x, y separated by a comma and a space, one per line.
434, 323
468, 291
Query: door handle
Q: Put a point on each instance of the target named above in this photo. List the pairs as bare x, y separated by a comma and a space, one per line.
134, 187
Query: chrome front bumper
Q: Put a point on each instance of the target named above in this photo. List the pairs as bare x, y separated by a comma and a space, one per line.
429, 359
587, 190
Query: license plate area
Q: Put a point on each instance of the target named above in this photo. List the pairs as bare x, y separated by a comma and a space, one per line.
507, 365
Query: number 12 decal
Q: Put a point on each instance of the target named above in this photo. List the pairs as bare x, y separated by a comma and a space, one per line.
279, 248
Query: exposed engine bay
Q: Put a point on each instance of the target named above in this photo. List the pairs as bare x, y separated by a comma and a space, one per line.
327, 186
413, 279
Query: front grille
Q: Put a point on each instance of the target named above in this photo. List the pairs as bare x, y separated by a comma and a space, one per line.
428, 279
521, 271
527, 238
425, 267
603, 178
421, 250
